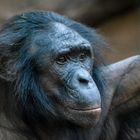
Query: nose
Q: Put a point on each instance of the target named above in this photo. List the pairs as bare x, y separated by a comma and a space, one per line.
83, 77
87, 93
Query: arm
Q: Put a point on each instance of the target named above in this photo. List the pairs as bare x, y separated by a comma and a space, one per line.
124, 79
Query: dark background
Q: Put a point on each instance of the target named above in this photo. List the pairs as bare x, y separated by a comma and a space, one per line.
117, 20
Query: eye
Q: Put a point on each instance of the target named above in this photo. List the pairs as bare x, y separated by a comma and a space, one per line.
61, 59
82, 56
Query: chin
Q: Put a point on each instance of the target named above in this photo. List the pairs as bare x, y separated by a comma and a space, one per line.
82, 118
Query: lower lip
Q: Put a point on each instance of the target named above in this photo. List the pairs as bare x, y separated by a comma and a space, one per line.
93, 111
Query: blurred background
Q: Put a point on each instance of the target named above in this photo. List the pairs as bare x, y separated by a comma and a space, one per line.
117, 20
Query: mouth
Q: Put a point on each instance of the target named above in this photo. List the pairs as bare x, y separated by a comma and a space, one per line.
88, 110
89, 116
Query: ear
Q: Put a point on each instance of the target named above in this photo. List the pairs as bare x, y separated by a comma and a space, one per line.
7, 70
124, 80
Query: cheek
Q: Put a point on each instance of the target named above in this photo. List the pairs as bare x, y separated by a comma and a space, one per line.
76, 104
88, 64
61, 72
49, 85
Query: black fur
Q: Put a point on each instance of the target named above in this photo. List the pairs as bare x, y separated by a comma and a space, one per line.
24, 105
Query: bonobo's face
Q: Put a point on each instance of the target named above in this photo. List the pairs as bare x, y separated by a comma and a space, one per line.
65, 60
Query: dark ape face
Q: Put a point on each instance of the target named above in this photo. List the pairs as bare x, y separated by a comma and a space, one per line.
65, 64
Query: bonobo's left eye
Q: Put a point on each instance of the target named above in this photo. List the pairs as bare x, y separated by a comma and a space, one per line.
62, 59
82, 56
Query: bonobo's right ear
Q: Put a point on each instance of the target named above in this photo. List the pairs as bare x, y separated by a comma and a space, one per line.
7, 70
11, 36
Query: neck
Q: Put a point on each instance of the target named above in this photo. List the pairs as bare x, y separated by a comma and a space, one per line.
68, 132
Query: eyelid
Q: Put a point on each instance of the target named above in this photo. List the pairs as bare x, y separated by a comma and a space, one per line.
73, 54
65, 56
63, 52
85, 52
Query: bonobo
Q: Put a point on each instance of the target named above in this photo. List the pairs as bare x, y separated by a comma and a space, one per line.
55, 86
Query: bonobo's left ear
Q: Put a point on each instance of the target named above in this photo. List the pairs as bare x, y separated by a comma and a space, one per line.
124, 78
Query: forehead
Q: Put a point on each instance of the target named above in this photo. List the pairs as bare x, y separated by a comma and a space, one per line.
58, 37
64, 34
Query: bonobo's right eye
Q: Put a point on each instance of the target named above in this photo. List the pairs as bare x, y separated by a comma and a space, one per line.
62, 59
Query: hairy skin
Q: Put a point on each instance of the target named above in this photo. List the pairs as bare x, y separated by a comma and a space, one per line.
55, 86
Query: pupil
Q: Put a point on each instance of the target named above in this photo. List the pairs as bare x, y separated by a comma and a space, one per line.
82, 56
62, 59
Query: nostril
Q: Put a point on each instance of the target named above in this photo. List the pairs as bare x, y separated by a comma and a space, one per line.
83, 81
